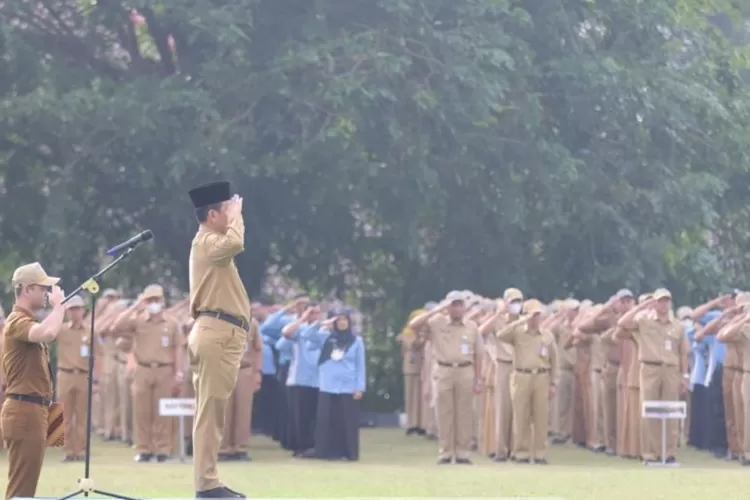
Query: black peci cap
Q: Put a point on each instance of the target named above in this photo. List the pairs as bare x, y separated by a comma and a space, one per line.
210, 194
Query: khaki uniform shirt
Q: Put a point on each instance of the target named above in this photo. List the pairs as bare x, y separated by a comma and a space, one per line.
732, 358
744, 342
253, 345
412, 348
215, 283
452, 342
503, 350
567, 356
155, 339
533, 349
660, 342
73, 348
25, 363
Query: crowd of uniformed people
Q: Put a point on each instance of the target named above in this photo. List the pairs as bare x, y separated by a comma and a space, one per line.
300, 381
509, 376
504, 377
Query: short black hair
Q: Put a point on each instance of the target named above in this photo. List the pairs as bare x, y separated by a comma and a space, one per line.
202, 212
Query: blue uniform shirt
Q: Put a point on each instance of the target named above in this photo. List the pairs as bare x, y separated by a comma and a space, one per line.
345, 376
276, 322
698, 358
303, 370
285, 351
269, 364
717, 350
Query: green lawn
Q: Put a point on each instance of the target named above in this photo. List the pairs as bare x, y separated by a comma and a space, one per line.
395, 466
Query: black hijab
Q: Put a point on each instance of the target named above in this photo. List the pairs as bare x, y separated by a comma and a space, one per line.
338, 339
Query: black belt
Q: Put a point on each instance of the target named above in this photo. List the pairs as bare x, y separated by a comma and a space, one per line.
597, 370
232, 320
533, 371
73, 370
506, 362
37, 400
657, 363
462, 364
245, 365
613, 363
733, 368
154, 365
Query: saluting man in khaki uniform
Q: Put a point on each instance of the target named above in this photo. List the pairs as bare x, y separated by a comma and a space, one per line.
155, 362
236, 441
72, 374
567, 358
533, 382
663, 354
457, 349
221, 308
737, 332
507, 312
110, 395
412, 350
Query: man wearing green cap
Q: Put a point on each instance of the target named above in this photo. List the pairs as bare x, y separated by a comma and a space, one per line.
221, 308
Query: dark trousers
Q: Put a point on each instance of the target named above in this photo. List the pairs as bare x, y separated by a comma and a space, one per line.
283, 428
337, 428
303, 408
699, 434
717, 441
264, 406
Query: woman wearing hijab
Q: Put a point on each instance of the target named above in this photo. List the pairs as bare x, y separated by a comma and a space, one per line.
341, 380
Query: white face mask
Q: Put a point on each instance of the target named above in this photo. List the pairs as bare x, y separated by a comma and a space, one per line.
155, 308
688, 323
514, 308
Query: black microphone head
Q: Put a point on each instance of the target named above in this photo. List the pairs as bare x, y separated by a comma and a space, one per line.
147, 235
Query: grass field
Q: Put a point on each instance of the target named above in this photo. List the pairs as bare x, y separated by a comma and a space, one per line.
395, 466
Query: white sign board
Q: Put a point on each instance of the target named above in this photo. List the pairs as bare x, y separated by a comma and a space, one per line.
177, 407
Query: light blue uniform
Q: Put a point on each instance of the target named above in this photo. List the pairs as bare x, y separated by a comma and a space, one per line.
344, 376
303, 370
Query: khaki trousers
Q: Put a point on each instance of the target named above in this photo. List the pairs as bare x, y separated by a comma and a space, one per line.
153, 433
596, 431
455, 410
125, 390
609, 405
530, 395
71, 391
565, 399
110, 399
413, 400
659, 383
24, 428
746, 403
236, 437
739, 410
503, 409
215, 349
730, 414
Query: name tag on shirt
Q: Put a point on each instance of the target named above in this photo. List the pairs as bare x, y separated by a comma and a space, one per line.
84, 351
465, 349
668, 344
543, 351
165, 341
247, 347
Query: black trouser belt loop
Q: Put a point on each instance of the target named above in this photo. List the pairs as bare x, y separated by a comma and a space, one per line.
533, 371
154, 364
462, 364
232, 320
73, 370
37, 400
653, 363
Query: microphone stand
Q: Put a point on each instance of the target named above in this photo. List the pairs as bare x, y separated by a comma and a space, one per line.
91, 285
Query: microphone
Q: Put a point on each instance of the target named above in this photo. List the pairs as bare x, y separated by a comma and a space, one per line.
132, 242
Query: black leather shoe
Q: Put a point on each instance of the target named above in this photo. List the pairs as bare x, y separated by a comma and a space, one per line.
162, 458
143, 457
499, 458
220, 492
522, 461
443, 461
241, 456
464, 461
224, 457
236, 494
541, 461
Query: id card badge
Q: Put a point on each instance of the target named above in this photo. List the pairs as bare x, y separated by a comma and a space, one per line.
465, 349
668, 344
165, 341
84, 351
543, 351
